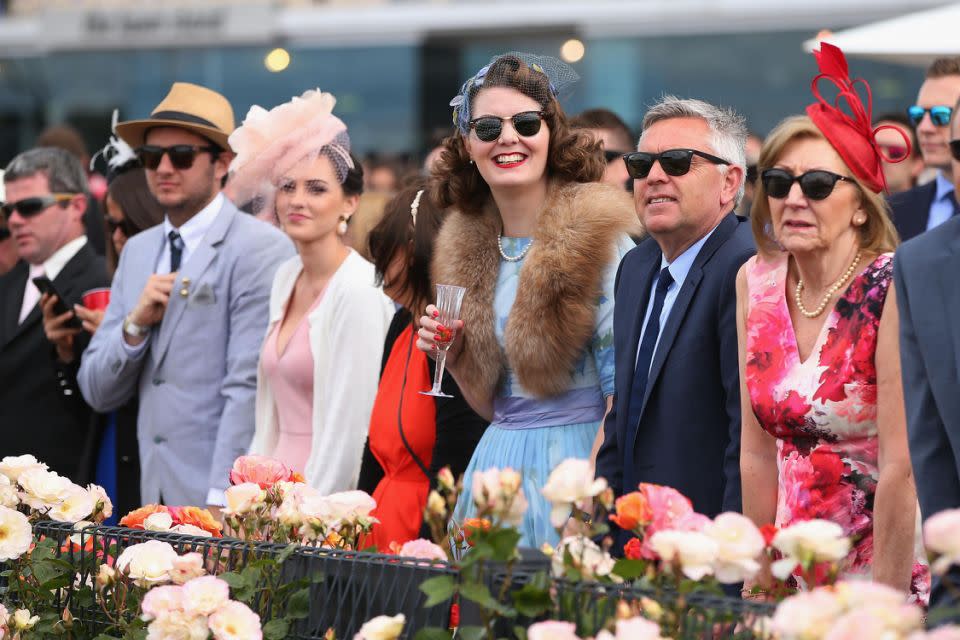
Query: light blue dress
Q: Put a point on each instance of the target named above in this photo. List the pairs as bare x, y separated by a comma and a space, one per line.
533, 435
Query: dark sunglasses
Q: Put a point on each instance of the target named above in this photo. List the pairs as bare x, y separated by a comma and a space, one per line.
124, 226
674, 162
610, 156
816, 185
32, 206
752, 173
182, 156
955, 149
488, 128
939, 115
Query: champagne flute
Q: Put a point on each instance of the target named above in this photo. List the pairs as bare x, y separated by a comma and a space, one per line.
449, 299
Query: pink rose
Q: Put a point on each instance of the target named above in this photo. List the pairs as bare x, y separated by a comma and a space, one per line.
259, 469
161, 601
187, 567
204, 595
553, 630
423, 549
235, 621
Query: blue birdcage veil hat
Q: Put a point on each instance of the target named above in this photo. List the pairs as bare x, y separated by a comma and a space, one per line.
501, 72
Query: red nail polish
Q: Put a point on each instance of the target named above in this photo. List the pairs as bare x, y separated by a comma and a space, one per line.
441, 328
436, 314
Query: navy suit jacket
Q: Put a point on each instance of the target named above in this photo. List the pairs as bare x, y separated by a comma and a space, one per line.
928, 297
689, 435
911, 209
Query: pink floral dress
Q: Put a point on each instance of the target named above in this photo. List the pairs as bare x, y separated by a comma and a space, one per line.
822, 411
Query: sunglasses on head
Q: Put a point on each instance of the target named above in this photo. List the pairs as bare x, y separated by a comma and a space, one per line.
182, 156
610, 156
124, 225
674, 162
939, 115
955, 149
32, 206
488, 128
815, 185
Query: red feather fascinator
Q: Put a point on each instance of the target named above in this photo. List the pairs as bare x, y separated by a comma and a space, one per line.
851, 134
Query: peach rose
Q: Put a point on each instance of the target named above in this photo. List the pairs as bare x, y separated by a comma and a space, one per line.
633, 511
262, 470
200, 518
135, 518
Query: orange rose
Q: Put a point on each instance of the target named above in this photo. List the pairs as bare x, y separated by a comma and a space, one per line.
633, 511
135, 518
296, 477
631, 551
472, 525
199, 518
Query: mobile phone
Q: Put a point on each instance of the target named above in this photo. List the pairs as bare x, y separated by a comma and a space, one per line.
46, 286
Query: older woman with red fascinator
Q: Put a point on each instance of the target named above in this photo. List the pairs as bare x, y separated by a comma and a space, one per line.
320, 360
824, 433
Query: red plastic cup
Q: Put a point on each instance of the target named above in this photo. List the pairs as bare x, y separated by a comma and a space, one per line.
96, 299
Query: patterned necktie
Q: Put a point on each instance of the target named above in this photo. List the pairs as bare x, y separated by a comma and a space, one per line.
638, 389
176, 250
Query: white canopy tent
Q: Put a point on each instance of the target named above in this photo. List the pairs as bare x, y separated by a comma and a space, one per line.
914, 39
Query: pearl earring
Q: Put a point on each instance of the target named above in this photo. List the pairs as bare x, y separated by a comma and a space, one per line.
342, 227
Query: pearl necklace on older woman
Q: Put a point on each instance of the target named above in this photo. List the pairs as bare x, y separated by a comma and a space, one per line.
836, 286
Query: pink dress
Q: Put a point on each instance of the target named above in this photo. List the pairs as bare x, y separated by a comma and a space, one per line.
291, 377
823, 411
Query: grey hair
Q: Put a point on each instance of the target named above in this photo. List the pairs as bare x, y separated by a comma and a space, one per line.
728, 129
63, 170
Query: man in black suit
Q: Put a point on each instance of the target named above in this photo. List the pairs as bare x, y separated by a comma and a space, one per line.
676, 411
928, 296
41, 410
929, 205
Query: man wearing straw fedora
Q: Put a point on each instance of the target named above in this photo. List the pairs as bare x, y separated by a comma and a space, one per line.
188, 308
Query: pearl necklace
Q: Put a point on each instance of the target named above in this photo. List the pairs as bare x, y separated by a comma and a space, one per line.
516, 258
836, 286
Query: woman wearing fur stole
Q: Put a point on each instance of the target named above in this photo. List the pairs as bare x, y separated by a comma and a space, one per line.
536, 242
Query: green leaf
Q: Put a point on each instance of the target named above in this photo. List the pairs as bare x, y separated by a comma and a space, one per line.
629, 569
286, 553
437, 590
298, 606
504, 543
276, 629
470, 633
531, 600
235, 580
481, 595
520, 633
432, 633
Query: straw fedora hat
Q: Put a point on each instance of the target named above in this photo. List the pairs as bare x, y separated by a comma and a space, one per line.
187, 106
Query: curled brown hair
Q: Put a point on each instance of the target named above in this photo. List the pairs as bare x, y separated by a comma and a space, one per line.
573, 155
877, 233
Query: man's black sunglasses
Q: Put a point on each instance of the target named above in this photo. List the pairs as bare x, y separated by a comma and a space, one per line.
674, 162
955, 149
816, 185
525, 123
32, 206
182, 156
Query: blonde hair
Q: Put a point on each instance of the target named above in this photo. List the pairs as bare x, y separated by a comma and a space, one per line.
877, 233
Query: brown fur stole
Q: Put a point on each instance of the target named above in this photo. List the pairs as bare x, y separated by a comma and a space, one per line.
553, 317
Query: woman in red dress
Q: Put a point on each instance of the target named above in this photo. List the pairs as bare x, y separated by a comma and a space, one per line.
412, 436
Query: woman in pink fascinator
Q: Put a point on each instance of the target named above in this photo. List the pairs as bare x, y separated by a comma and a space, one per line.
320, 361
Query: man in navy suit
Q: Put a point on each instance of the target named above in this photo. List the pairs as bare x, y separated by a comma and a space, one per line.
931, 204
928, 298
676, 410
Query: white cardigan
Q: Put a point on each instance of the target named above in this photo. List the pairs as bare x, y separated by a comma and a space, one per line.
347, 330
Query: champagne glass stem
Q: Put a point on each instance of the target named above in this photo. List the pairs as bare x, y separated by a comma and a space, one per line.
438, 372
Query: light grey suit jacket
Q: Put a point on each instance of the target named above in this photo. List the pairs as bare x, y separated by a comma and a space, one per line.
197, 376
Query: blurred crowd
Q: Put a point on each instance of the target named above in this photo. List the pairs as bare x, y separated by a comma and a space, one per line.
691, 304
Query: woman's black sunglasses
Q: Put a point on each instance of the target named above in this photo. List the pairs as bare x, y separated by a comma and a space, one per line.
674, 162
955, 149
32, 206
816, 185
182, 156
488, 128
124, 226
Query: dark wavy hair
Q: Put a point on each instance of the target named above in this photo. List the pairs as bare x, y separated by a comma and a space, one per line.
573, 155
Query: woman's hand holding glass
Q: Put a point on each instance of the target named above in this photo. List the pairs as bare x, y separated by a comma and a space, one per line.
433, 334
438, 329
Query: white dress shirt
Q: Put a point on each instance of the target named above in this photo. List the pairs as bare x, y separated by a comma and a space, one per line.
191, 232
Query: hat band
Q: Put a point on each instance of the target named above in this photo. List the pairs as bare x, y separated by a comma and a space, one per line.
182, 117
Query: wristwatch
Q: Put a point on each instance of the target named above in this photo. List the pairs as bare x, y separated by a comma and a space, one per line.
133, 329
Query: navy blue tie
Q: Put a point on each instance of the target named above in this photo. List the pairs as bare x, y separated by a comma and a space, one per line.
176, 250
644, 357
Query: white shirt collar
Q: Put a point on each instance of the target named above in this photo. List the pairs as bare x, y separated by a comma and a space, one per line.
193, 230
53, 265
682, 264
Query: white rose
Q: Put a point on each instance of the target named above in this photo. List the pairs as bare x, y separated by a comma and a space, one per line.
13, 466
22, 620
8, 493
178, 627
290, 512
76, 504
187, 567
235, 621
436, 505
809, 541
104, 507
876, 622
553, 630
590, 560
16, 534
638, 629
497, 492
859, 593
159, 521
695, 551
148, 563
204, 595
244, 498
42, 490
382, 628
940, 537
570, 483
806, 616
739, 544
350, 506
106, 576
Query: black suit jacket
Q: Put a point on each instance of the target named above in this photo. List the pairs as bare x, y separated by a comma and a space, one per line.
689, 435
928, 297
41, 409
911, 209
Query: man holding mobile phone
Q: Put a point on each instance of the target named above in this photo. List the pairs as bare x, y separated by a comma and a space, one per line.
41, 409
